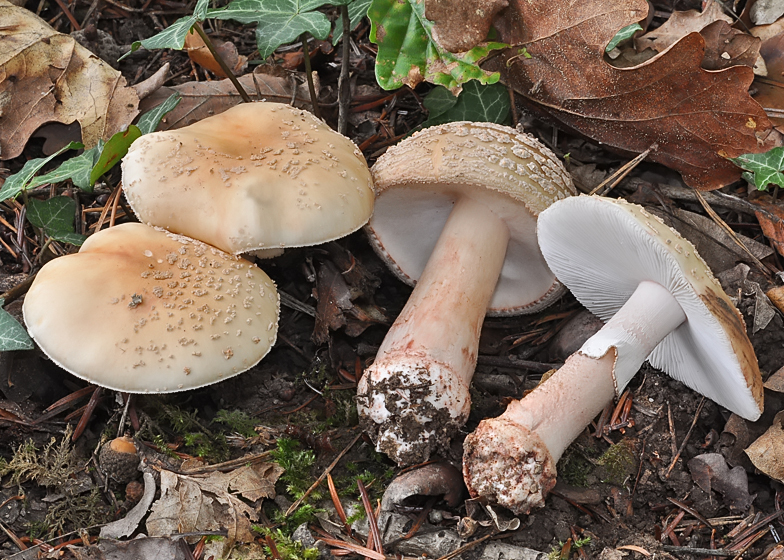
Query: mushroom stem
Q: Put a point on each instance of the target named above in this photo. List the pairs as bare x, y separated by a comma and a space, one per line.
512, 458
415, 396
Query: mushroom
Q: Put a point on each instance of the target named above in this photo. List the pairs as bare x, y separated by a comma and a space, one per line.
257, 176
139, 310
660, 301
456, 214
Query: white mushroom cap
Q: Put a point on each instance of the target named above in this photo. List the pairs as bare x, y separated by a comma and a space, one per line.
142, 310
257, 176
419, 180
602, 248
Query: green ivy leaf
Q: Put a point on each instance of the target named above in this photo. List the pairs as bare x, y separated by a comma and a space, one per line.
20, 181
407, 53
77, 169
55, 217
278, 22
357, 9
149, 121
173, 37
625, 33
475, 103
113, 151
765, 168
13, 336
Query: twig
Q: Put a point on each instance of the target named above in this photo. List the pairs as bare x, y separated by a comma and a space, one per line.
19, 290
344, 81
467, 546
699, 551
372, 521
332, 465
309, 76
225, 67
88, 412
673, 441
686, 438
723, 225
616, 177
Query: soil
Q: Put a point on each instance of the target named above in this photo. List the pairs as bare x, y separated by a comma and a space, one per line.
625, 487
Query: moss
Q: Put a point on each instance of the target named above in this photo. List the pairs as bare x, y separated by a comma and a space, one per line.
573, 468
76, 512
237, 421
287, 548
297, 463
619, 461
53, 466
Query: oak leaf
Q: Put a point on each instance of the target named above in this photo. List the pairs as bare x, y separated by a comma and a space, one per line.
697, 118
46, 76
680, 24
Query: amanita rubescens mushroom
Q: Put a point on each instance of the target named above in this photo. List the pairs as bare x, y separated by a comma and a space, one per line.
660, 301
257, 176
141, 310
456, 213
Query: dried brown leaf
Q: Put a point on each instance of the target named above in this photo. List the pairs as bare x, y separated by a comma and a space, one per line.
767, 452
461, 24
710, 472
771, 219
199, 53
726, 46
46, 76
679, 25
203, 99
697, 117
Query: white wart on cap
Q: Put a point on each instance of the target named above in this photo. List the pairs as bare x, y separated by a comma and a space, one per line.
142, 310
456, 210
257, 176
660, 301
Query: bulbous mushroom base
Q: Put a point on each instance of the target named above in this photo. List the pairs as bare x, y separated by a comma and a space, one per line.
508, 464
412, 410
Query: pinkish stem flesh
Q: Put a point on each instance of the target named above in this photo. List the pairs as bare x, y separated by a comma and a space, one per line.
435, 339
538, 428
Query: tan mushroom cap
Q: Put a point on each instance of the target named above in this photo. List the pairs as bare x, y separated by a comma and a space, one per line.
419, 180
258, 176
142, 310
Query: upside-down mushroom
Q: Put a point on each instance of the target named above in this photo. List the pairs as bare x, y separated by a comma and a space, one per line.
456, 214
661, 303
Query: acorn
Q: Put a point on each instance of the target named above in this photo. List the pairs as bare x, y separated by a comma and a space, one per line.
119, 459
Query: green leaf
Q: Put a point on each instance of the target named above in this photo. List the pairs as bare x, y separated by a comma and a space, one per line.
55, 217
13, 336
18, 182
475, 103
278, 22
113, 151
766, 168
407, 53
77, 169
625, 33
173, 37
149, 121
357, 9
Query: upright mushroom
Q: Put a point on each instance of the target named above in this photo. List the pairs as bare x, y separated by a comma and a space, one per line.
660, 301
257, 176
141, 310
456, 214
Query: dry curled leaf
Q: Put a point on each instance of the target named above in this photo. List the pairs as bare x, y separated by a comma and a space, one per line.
696, 117
203, 99
767, 452
710, 472
726, 46
199, 53
680, 24
46, 76
459, 25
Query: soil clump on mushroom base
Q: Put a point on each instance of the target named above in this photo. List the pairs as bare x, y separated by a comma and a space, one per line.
620, 481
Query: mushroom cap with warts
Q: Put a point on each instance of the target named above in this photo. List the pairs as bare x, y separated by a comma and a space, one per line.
419, 180
602, 248
141, 310
257, 176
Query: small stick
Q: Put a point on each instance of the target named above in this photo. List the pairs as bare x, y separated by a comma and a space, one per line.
309, 76
372, 521
616, 177
88, 412
225, 67
699, 551
686, 438
673, 441
344, 81
328, 470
